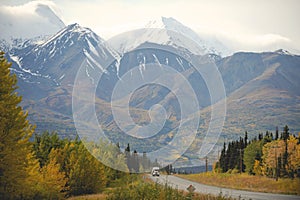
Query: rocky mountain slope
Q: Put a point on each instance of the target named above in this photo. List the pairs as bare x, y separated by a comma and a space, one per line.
262, 88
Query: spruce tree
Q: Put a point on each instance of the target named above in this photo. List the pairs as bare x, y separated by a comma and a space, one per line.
128, 157
286, 136
223, 159
246, 139
276, 134
15, 132
135, 161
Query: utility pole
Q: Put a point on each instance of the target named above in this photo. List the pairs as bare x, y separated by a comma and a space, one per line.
206, 166
219, 160
276, 162
241, 161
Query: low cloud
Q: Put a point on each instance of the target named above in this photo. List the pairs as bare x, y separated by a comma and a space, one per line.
270, 39
257, 43
29, 20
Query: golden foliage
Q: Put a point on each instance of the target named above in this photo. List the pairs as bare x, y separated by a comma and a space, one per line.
15, 132
271, 151
294, 153
274, 150
257, 169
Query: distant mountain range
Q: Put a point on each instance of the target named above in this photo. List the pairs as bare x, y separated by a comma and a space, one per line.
262, 89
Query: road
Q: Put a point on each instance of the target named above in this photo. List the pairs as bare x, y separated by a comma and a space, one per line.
182, 184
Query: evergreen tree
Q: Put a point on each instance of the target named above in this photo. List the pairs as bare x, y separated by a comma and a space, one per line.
246, 139
285, 136
252, 153
127, 148
15, 132
128, 157
223, 159
260, 136
271, 136
44, 143
267, 138
86, 175
276, 134
135, 161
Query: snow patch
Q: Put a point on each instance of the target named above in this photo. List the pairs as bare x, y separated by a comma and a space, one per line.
283, 52
93, 62
156, 60
60, 78
180, 62
92, 48
17, 61
88, 74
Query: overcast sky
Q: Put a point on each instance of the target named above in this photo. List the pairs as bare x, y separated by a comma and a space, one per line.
249, 25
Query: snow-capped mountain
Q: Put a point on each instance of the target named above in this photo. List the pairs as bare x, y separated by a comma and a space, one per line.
210, 44
268, 82
57, 60
168, 31
27, 21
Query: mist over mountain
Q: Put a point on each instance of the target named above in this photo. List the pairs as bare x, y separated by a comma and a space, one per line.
32, 20
169, 31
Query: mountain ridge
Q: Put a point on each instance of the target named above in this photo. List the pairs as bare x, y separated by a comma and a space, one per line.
262, 88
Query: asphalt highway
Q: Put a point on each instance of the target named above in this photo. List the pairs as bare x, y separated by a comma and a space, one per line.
183, 184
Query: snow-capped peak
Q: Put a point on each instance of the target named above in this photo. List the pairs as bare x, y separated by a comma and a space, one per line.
157, 23
168, 31
208, 44
74, 32
64, 52
283, 52
77, 28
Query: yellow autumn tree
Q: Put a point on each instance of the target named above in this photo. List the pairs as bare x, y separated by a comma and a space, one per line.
271, 152
257, 169
294, 154
15, 132
34, 178
86, 175
53, 180
47, 182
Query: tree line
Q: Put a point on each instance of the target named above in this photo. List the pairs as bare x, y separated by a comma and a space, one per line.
44, 166
266, 155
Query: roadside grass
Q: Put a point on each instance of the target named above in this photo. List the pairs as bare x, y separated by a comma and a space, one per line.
147, 189
90, 197
247, 182
136, 187
125, 179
